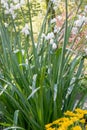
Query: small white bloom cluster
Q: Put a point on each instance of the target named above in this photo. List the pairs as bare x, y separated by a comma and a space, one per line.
74, 30
85, 50
25, 29
81, 21
85, 9
11, 7
50, 37
6, 25
56, 29
55, 4
54, 20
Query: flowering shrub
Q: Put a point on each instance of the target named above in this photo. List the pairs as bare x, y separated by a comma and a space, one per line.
71, 121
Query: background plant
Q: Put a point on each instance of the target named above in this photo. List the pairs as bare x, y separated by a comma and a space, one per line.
38, 82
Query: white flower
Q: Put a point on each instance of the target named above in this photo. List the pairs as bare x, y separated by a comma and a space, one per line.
34, 77
17, 6
25, 30
51, 41
56, 4
55, 7
43, 35
14, 16
74, 30
4, 1
5, 5
6, 25
23, 51
22, 2
12, 7
56, 29
50, 36
59, 17
53, 1
80, 21
85, 50
85, 9
83, 18
35, 44
16, 51
53, 20
26, 61
54, 46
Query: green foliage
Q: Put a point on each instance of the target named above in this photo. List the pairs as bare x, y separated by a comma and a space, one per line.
38, 91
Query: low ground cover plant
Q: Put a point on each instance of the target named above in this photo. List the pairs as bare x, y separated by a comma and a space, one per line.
39, 80
76, 120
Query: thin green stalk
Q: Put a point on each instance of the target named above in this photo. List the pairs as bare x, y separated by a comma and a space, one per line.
32, 37
65, 41
59, 80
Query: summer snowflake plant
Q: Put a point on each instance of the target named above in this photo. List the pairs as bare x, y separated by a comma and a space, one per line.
41, 75
71, 121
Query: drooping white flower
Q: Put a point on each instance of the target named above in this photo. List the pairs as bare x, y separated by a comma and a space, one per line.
43, 35
35, 44
51, 41
50, 36
56, 29
4, 1
23, 51
55, 4
74, 30
16, 51
25, 29
85, 50
59, 17
6, 25
34, 77
5, 5
22, 2
17, 6
53, 20
54, 46
85, 10
83, 18
53, 1
80, 21
26, 61
12, 7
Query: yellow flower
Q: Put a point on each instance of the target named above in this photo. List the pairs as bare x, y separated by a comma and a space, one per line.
78, 110
74, 119
70, 120
86, 127
48, 125
69, 113
51, 128
82, 121
61, 128
76, 128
